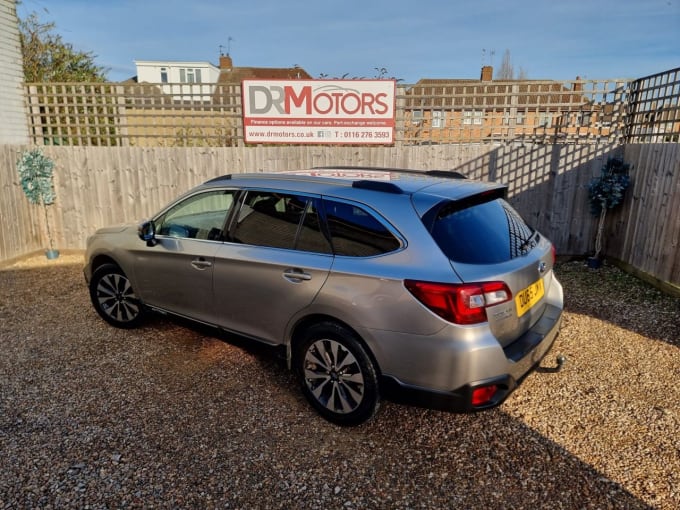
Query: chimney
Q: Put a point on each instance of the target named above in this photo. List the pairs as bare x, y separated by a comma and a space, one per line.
578, 86
226, 62
487, 73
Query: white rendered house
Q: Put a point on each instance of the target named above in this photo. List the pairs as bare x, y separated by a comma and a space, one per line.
183, 80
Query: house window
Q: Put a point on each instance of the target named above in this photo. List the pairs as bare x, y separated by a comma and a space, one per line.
417, 117
544, 120
164, 75
472, 117
583, 118
438, 119
520, 117
189, 75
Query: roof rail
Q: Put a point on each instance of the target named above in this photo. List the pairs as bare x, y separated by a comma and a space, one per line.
446, 174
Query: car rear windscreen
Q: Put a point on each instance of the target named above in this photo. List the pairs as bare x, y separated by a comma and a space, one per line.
486, 232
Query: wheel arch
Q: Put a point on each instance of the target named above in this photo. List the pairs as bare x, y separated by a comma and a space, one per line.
100, 260
305, 322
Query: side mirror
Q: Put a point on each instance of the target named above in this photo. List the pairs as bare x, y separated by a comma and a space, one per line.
147, 232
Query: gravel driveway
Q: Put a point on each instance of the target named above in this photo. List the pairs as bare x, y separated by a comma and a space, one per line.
169, 416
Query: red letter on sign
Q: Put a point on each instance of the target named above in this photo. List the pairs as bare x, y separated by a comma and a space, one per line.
305, 96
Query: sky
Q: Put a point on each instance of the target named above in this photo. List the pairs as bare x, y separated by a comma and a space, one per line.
546, 39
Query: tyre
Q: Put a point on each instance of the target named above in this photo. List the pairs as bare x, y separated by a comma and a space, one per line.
337, 375
113, 297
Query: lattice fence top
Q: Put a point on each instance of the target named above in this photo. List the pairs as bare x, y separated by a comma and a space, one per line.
428, 112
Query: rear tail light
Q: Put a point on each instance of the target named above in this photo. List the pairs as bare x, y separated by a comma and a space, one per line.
553, 252
459, 303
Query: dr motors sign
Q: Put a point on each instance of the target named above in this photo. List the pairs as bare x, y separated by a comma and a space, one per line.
318, 111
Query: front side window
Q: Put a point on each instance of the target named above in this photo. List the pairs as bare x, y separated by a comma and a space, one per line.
279, 220
355, 232
200, 216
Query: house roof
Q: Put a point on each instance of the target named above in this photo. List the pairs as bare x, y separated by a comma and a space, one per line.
230, 75
234, 75
238, 74
454, 94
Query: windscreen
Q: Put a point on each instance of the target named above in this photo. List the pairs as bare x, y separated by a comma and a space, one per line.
482, 232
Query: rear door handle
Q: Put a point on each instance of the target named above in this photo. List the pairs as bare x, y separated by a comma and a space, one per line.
296, 275
201, 264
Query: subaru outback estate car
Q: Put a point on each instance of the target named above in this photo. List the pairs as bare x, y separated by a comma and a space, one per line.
367, 279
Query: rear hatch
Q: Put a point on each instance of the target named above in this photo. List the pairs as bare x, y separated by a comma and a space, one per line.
486, 240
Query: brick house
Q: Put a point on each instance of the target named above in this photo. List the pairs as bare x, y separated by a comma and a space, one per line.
454, 110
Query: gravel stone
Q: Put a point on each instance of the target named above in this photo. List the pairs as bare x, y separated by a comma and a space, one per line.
176, 416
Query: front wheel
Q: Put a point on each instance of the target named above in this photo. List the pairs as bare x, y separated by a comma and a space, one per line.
337, 376
113, 297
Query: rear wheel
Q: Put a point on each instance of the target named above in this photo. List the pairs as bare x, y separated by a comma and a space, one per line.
337, 376
113, 297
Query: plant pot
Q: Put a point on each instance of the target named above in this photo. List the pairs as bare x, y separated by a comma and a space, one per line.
594, 262
52, 254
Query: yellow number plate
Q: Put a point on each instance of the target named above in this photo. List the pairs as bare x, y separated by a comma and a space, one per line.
526, 298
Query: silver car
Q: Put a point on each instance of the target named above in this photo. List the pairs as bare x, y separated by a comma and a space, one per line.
371, 281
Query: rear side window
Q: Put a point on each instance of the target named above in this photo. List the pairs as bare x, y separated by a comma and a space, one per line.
482, 233
356, 232
279, 220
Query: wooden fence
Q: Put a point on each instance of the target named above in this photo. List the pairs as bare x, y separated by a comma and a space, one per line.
645, 232
99, 186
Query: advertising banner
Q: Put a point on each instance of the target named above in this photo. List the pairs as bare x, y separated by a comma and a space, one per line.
319, 111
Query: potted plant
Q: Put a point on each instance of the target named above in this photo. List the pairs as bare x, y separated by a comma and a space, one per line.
36, 173
606, 192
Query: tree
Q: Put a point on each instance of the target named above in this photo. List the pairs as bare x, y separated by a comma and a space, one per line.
47, 58
606, 192
36, 172
507, 69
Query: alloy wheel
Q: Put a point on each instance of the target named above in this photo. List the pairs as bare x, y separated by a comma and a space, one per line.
116, 298
333, 376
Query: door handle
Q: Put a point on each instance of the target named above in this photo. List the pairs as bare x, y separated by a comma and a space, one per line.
201, 264
296, 275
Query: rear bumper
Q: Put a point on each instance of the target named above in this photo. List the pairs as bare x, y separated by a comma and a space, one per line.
458, 400
523, 356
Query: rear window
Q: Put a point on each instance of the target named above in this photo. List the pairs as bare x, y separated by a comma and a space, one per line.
482, 233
